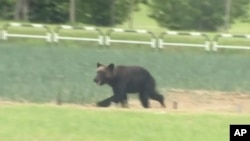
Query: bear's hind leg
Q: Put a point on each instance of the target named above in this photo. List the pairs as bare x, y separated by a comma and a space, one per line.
124, 102
158, 97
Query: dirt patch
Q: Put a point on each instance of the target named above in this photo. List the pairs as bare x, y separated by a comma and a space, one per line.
201, 101
183, 101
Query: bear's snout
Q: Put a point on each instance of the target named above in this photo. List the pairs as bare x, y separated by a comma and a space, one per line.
97, 81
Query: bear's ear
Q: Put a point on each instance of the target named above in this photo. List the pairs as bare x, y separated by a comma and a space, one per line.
98, 64
111, 66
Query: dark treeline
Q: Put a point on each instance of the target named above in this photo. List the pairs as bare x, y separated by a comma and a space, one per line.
173, 14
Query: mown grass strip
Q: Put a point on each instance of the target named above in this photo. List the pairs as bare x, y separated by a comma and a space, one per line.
66, 123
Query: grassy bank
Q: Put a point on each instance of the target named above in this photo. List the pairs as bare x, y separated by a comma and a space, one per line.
42, 73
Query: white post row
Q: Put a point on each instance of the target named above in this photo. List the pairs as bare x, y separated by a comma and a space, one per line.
58, 37
206, 45
108, 40
5, 34
217, 37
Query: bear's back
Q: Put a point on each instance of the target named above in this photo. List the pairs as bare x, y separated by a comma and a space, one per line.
135, 73
135, 78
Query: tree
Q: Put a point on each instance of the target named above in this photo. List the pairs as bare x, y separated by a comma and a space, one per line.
195, 14
49, 11
6, 9
103, 12
97, 12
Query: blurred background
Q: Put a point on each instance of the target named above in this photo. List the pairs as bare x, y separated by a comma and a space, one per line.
208, 15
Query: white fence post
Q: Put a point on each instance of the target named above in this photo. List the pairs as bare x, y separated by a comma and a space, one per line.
218, 36
152, 42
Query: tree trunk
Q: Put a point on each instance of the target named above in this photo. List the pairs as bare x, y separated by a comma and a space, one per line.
22, 10
72, 11
18, 8
25, 10
227, 14
112, 12
131, 18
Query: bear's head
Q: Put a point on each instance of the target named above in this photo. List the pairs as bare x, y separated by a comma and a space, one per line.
104, 73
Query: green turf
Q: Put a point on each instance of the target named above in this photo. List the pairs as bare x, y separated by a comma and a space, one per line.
240, 27
42, 73
70, 123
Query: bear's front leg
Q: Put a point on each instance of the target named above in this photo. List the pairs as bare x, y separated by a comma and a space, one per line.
119, 95
104, 103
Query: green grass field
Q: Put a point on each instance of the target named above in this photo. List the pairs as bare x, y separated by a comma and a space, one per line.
71, 123
38, 72
42, 73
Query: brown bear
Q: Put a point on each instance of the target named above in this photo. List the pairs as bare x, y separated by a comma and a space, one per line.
127, 79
